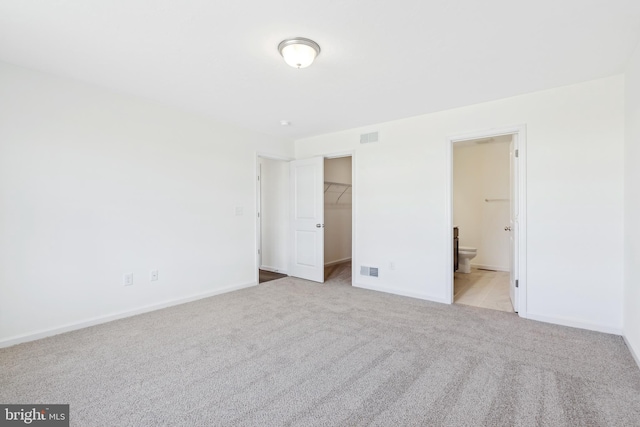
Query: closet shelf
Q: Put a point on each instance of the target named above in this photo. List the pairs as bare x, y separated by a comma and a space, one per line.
336, 187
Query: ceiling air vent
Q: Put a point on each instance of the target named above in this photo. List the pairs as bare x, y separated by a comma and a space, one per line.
367, 138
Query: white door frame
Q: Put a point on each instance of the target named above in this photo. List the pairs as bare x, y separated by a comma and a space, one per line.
521, 165
259, 213
258, 230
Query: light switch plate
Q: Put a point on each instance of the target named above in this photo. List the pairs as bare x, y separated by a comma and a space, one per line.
127, 279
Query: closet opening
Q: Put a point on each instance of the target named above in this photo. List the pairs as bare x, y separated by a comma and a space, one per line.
305, 220
338, 220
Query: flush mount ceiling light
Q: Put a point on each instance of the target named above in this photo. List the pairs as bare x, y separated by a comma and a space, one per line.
299, 52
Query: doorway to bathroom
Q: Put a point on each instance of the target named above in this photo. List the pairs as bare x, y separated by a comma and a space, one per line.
486, 200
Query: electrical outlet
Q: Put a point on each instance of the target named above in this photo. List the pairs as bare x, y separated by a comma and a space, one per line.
128, 279
153, 275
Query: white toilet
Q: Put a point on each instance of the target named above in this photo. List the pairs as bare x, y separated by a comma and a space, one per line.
465, 255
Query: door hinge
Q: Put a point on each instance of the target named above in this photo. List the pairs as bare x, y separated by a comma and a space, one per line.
517, 284
517, 153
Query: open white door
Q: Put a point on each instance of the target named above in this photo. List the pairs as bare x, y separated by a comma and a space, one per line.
513, 222
307, 219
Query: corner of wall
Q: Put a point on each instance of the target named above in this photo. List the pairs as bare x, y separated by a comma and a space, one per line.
631, 291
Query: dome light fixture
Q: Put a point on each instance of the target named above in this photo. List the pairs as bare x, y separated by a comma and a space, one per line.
298, 51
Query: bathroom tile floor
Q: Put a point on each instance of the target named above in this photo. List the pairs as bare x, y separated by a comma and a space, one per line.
483, 288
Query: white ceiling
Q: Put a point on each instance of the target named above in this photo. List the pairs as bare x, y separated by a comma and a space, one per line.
381, 59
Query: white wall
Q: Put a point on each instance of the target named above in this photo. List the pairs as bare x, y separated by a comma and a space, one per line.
481, 171
632, 206
275, 214
337, 210
575, 137
94, 184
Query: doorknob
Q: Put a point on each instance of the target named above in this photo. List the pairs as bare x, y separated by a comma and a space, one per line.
507, 228
319, 225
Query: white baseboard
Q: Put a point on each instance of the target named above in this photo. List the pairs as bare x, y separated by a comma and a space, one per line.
636, 357
340, 261
575, 323
108, 318
400, 292
490, 267
273, 269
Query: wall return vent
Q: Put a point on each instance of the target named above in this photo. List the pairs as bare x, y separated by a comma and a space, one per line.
368, 271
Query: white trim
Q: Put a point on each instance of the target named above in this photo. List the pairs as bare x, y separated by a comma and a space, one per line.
633, 353
121, 315
338, 261
488, 267
258, 217
401, 292
354, 223
339, 155
273, 156
563, 321
448, 206
521, 131
522, 221
274, 270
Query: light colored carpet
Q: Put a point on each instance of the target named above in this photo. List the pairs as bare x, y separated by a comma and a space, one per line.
338, 274
291, 352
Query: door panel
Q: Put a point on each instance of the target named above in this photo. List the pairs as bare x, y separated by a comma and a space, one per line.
305, 194
307, 219
306, 243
